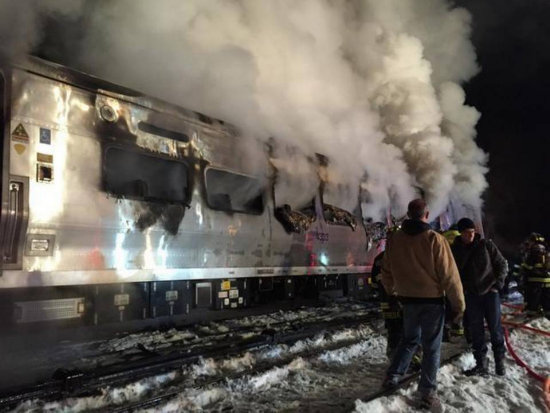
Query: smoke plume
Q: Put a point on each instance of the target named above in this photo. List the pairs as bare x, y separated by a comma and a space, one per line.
373, 85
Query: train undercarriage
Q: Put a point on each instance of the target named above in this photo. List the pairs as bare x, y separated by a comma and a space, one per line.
170, 302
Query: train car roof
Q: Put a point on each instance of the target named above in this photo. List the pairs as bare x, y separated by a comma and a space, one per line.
64, 74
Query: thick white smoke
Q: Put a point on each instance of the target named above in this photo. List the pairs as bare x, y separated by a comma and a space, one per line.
22, 22
374, 85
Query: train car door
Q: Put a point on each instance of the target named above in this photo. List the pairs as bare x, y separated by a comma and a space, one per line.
14, 188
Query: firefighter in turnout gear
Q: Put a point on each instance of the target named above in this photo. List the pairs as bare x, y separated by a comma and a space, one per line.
391, 310
451, 234
536, 277
452, 329
533, 239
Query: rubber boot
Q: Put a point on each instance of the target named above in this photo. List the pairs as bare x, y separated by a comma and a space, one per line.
500, 368
480, 368
390, 382
430, 401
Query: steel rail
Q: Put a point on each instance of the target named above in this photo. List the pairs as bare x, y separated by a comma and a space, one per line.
158, 398
257, 329
79, 384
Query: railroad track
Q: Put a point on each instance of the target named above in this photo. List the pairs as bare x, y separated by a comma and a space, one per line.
81, 384
159, 398
347, 404
234, 328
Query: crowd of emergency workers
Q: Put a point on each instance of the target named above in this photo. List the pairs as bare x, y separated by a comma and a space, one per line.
436, 285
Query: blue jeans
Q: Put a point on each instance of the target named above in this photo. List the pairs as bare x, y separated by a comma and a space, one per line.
480, 308
422, 324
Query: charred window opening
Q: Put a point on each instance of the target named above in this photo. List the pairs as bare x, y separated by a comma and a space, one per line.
295, 221
231, 192
337, 216
136, 175
155, 130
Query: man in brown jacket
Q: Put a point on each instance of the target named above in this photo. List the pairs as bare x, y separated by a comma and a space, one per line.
420, 269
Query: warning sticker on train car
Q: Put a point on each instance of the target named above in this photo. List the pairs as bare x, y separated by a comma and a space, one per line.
226, 285
45, 136
19, 148
171, 295
44, 157
122, 300
20, 134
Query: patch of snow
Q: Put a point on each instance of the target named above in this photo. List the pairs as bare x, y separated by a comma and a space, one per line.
205, 367
237, 364
373, 347
192, 401
274, 376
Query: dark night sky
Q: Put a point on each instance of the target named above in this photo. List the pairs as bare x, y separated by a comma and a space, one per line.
512, 40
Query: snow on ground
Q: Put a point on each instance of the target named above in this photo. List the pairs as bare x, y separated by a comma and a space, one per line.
332, 380
316, 383
516, 392
189, 376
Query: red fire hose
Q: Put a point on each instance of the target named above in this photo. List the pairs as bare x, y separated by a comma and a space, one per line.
544, 380
519, 361
524, 327
518, 309
515, 306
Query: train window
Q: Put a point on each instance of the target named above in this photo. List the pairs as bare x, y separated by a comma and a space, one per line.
228, 191
155, 130
142, 176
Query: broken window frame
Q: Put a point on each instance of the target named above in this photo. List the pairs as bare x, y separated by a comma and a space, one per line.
230, 208
290, 227
142, 155
339, 223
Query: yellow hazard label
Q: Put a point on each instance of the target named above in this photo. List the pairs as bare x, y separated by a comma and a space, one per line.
226, 285
20, 134
19, 148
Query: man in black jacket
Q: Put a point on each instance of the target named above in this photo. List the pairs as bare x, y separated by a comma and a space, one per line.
483, 270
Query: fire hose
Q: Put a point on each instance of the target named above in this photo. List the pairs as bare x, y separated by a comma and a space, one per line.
514, 306
544, 380
517, 307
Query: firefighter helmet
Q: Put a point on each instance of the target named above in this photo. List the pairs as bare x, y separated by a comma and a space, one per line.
536, 238
537, 254
537, 249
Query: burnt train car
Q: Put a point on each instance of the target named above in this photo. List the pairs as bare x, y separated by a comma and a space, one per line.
117, 207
